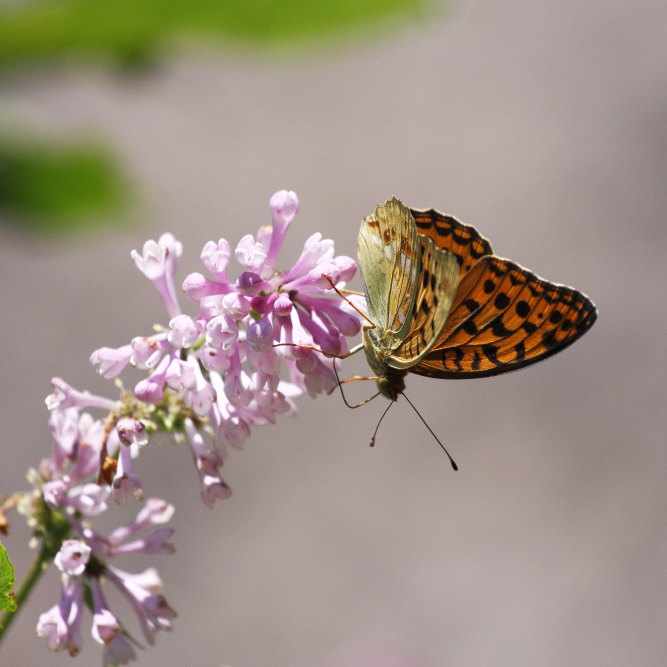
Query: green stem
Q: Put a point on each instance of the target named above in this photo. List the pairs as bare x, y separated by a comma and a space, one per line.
53, 528
35, 572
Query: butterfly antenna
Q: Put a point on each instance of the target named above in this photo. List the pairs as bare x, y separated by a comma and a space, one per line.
342, 393
430, 430
375, 432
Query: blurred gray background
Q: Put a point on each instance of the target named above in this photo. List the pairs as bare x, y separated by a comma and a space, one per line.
543, 124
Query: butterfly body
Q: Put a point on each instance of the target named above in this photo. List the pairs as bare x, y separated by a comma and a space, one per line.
442, 305
390, 381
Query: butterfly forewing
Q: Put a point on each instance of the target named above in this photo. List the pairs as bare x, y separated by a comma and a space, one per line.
438, 279
389, 258
504, 318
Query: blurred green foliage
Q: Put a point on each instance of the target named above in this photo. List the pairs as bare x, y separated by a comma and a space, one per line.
58, 187
61, 188
130, 31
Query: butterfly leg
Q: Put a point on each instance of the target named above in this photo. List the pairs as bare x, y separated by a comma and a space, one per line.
342, 296
340, 384
354, 350
351, 379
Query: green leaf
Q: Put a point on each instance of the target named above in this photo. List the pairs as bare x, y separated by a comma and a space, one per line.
7, 580
130, 32
58, 187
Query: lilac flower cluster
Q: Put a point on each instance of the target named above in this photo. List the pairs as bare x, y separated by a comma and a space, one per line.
223, 364
209, 379
86, 562
67, 494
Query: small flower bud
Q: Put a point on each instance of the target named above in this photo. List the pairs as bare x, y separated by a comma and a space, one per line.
260, 334
249, 283
215, 257
282, 305
250, 254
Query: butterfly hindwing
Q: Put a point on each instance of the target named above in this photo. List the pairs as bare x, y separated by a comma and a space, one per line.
503, 318
388, 249
438, 279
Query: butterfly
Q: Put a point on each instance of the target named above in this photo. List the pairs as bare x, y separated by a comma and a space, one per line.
440, 304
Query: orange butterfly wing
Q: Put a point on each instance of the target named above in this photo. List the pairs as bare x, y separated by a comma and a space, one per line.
504, 317
464, 241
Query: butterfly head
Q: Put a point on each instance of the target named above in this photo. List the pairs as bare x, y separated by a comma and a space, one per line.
391, 383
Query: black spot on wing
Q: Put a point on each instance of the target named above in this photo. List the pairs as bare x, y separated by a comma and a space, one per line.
529, 327
470, 327
502, 301
520, 350
549, 340
499, 329
495, 269
471, 305
491, 353
522, 308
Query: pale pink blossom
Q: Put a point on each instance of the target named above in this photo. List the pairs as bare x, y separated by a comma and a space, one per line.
126, 480
72, 557
143, 592
215, 257
111, 361
61, 625
147, 351
64, 396
158, 261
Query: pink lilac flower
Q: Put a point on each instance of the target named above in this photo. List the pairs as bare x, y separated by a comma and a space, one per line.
143, 592
106, 630
253, 345
208, 463
125, 480
86, 559
64, 396
158, 263
118, 651
77, 444
116, 543
244, 320
111, 361
239, 361
61, 625
72, 557
131, 432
